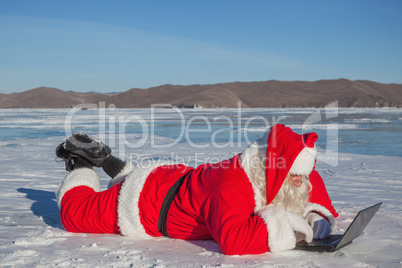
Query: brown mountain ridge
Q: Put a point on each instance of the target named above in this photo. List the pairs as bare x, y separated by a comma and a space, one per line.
266, 94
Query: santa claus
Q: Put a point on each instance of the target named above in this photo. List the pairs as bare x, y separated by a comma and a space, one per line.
260, 200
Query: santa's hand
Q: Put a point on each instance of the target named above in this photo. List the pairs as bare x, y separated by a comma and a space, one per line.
320, 226
298, 224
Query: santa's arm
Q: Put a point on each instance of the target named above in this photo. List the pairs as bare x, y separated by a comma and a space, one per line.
320, 203
319, 194
238, 230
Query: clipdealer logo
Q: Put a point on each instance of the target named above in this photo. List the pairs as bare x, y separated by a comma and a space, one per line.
113, 124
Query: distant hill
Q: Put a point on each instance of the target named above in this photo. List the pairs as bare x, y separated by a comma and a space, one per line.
44, 97
266, 94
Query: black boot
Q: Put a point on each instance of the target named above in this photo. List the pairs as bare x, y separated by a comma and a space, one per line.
113, 166
80, 146
78, 163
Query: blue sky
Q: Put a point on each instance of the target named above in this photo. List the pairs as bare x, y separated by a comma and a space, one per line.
112, 46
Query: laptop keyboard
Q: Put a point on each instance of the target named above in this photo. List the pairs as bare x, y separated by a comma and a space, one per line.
330, 240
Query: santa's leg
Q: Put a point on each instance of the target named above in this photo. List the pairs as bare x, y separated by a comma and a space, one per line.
83, 208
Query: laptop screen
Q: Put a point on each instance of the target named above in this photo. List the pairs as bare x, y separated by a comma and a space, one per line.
359, 223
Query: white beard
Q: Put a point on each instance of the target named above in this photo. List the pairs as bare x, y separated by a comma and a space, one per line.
293, 198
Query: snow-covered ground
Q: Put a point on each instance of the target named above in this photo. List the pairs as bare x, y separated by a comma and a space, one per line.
31, 233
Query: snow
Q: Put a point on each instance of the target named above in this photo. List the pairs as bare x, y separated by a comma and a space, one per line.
31, 233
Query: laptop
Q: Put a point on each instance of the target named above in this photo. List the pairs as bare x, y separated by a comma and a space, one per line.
337, 241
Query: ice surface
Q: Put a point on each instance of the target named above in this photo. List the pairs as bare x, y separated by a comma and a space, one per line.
31, 233
30, 229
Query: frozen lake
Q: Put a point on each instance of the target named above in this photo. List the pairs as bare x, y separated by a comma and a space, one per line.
361, 157
361, 131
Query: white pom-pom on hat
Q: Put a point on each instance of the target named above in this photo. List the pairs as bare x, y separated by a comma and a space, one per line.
304, 162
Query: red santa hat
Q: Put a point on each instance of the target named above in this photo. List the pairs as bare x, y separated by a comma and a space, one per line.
287, 152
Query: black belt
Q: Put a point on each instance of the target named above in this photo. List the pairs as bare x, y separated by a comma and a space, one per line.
170, 195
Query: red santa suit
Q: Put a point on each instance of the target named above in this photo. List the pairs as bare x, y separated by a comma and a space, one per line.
219, 201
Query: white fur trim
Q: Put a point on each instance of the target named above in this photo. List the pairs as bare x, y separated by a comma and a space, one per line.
128, 211
128, 167
248, 160
78, 177
311, 207
304, 162
280, 234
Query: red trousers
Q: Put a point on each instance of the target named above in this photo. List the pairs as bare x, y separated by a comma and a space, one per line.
85, 211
